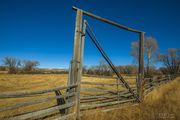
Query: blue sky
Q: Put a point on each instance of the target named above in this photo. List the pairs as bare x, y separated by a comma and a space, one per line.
43, 30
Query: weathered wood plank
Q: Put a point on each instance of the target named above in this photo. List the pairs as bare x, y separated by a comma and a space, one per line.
94, 97
96, 100
141, 67
97, 90
102, 84
106, 96
105, 104
101, 98
42, 112
107, 21
24, 94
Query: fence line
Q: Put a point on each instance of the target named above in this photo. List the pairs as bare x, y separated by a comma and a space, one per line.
149, 86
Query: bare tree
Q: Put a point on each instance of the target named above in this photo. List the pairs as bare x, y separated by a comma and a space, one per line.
12, 64
135, 51
150, 49
171, 60
127, 69
29, 65
102, 67
84, 69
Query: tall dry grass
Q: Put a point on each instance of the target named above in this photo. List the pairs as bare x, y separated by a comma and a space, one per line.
163, 103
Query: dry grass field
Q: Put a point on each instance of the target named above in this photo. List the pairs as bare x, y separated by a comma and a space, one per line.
164, 99
26, 83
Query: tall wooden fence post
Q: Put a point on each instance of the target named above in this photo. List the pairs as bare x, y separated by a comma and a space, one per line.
141, 68
76, 61
80, 70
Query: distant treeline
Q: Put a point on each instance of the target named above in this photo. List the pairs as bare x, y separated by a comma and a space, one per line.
126, 69
103, 69
16, 66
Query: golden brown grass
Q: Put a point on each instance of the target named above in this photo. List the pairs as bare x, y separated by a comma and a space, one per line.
163, 103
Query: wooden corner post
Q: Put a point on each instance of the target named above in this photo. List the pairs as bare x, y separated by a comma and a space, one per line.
141, 67
76, 61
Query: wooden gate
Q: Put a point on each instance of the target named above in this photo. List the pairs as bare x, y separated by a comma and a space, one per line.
81, 27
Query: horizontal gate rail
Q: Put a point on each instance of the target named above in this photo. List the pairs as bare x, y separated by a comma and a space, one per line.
43, 112
102, 84
98, 90
94, 97
24, 94
106, 104
107, 21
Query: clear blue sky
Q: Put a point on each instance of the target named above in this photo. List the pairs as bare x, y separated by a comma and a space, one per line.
43, 30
